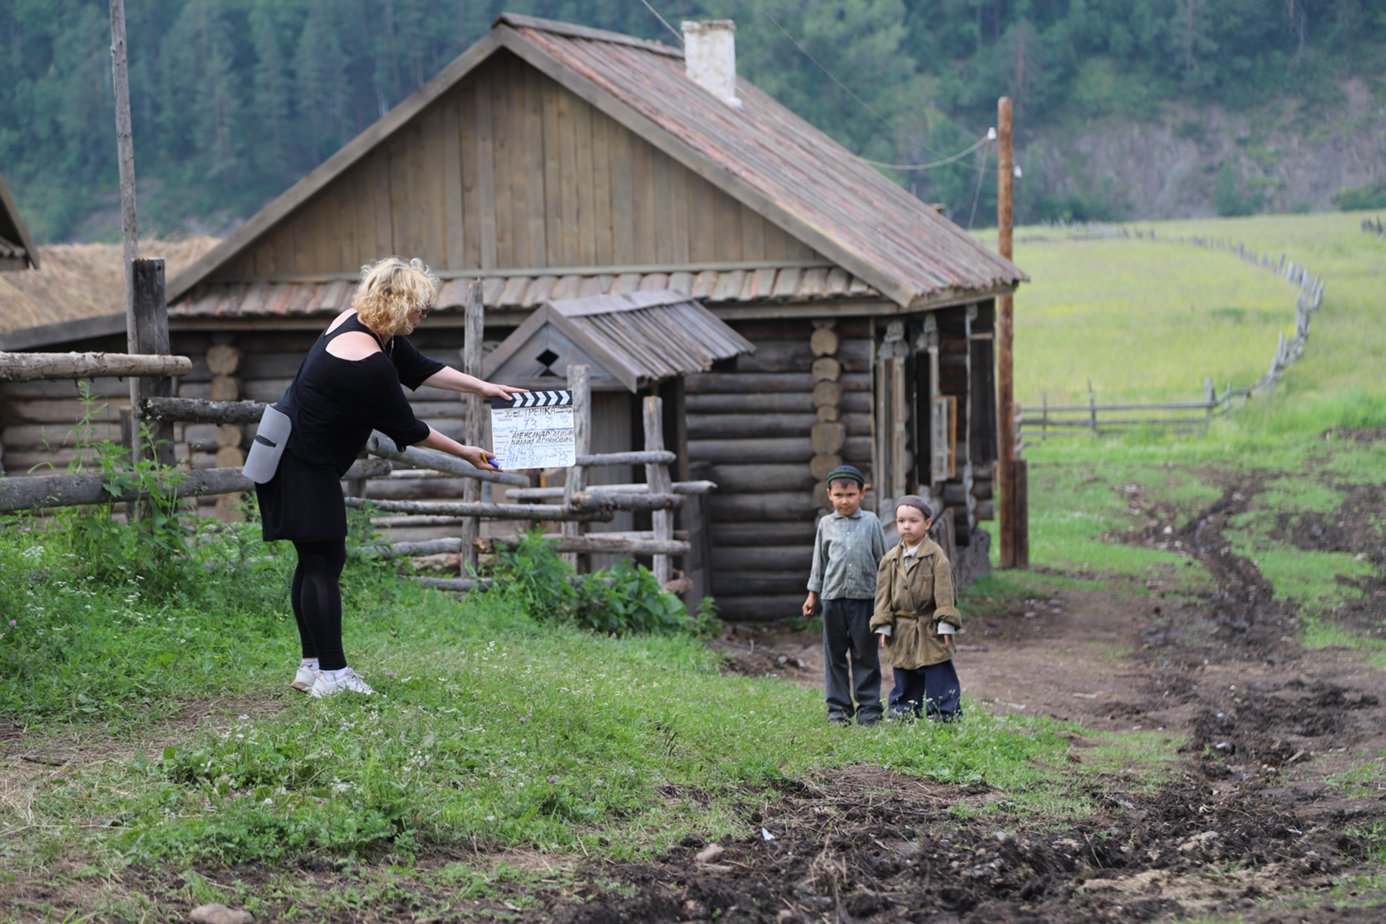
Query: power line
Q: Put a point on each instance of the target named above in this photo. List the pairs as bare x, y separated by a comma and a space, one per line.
991, 133
677, 33
865, 105
989, 136
977, 193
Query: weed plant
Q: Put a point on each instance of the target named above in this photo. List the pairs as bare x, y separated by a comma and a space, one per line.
622, 599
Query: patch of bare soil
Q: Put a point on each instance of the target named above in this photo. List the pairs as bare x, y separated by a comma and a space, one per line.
1252, 825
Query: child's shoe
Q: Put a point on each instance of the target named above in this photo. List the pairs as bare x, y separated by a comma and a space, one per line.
305, 675
330, 683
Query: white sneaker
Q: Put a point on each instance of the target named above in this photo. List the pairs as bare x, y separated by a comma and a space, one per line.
330, 683
303, 678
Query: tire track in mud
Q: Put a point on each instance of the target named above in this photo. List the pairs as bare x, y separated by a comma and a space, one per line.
1229, 834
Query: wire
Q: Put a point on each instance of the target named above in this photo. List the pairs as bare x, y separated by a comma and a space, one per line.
867, 106
677, 33
977, 193
937, 163
864, 104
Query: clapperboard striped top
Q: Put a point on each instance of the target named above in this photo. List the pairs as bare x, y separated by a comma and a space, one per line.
535, 399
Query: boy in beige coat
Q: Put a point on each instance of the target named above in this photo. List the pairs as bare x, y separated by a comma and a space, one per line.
916, 615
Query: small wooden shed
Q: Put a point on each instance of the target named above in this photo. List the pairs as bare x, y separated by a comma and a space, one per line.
634, 345
554, 161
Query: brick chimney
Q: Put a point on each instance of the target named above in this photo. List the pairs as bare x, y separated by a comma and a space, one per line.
709, 56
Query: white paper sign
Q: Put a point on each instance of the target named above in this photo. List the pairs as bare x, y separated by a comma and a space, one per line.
534, 429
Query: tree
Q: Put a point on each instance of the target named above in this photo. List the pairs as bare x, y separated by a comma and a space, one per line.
270, 87
319, 76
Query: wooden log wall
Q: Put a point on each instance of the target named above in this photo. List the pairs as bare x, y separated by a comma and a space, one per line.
955, 381
38, 418
763, 429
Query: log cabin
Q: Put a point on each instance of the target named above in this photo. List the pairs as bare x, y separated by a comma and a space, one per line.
555, 161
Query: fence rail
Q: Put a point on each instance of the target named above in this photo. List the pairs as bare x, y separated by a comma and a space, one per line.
1047, 421
1043, 421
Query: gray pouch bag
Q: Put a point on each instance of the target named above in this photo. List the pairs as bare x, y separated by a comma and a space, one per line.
273, 433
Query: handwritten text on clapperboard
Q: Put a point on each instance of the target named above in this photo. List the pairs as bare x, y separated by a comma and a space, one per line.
534, 429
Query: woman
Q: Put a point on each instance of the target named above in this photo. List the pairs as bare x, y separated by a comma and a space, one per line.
349, 384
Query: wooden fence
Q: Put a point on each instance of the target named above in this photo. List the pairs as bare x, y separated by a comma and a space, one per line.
1037, 422
577, 504
1046, 421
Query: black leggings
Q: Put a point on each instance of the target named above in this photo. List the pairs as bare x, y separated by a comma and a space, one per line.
317, 600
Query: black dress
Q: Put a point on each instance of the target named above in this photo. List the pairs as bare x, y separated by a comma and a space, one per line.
335, 403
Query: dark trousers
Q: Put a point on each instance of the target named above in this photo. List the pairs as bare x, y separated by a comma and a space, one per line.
933, 691
847, 630
317, 600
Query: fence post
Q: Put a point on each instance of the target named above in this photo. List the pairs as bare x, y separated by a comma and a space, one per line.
1092, 408
657, 477
1209, 395
576, 481
472, 424
149, 334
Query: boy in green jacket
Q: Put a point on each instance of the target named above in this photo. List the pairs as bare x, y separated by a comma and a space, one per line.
916, 615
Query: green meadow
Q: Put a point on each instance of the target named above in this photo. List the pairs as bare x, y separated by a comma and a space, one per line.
151, 757
1157, 317
1150, 320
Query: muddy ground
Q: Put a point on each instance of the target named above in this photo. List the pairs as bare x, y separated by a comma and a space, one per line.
1251, 828
1255, 824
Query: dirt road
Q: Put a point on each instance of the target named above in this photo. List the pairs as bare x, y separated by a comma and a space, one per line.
1256, 825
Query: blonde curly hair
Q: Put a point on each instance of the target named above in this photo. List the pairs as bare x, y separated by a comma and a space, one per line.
389, 290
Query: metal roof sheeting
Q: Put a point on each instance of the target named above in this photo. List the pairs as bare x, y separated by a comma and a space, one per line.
783, 284
842, 206
639, 337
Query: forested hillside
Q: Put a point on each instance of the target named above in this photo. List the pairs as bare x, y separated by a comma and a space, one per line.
1124, 109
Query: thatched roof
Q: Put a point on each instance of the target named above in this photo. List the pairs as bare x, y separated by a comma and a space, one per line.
79, 282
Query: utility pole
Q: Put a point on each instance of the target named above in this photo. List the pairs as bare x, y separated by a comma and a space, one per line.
125, 150
1010, 472
146, 312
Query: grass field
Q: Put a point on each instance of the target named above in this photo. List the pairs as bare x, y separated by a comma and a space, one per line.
194, 776
1147, 320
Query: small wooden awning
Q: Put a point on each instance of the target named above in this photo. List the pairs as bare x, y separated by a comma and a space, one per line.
630, 340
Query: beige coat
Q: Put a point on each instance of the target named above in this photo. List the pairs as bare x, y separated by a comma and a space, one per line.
912, 601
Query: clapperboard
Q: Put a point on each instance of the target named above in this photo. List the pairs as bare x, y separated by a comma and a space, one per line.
534, 429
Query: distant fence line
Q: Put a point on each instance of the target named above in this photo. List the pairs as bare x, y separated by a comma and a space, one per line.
1374, 227
1045, 420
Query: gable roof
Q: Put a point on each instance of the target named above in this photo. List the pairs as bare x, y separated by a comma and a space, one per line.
16, 246
637, 338
761, 154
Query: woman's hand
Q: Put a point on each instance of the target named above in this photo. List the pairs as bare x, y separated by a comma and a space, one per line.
501, 391
479, 457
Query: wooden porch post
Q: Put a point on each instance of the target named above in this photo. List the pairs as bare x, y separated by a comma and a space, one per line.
657, 477
576, 480
472, 424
